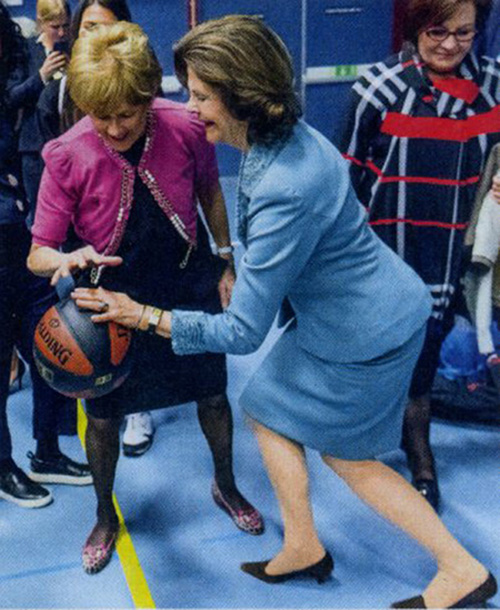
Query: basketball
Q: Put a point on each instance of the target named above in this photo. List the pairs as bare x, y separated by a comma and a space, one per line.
78, 357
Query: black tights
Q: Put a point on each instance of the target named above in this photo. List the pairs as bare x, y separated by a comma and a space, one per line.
417, 421
416, 442
216, 421
103, 450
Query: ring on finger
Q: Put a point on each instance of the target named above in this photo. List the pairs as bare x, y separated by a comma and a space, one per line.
104, 307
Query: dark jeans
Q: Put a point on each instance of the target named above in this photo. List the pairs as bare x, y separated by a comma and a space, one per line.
24, 298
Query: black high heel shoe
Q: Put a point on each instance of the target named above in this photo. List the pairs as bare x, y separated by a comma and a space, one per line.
319, 571
17, 383
475, 599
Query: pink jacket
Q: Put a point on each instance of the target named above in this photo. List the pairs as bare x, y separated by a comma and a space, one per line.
88, 184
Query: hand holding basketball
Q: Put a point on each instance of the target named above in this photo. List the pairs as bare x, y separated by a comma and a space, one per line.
77, 357
109, 306
82, 259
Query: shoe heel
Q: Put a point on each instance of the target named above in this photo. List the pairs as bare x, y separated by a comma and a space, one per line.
323, 570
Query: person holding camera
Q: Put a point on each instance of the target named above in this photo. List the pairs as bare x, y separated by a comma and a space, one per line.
45, 58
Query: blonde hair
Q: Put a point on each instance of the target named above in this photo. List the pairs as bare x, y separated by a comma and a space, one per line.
249, 66
50, 10
113, 65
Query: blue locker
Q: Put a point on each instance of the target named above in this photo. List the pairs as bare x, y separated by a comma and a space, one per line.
164, 21
341, 34
348, 31
326, 108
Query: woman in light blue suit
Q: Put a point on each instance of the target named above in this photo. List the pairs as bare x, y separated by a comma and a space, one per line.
337, 378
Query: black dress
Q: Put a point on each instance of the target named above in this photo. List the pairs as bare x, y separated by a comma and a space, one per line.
151, 273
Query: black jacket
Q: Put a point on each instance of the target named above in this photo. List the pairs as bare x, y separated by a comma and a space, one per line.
23, 90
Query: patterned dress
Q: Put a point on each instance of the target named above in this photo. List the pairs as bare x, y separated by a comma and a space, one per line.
417, 149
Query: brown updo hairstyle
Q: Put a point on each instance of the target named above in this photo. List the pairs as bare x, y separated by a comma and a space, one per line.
422, 14
249, 67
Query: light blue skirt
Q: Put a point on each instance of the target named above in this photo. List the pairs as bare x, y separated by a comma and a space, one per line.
350, 411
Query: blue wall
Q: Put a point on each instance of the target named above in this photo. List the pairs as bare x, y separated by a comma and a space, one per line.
328, 39
341, 34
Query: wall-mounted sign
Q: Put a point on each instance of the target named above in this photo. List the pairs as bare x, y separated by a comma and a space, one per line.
13, 2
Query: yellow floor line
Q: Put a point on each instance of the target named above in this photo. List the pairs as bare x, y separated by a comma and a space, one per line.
129, 560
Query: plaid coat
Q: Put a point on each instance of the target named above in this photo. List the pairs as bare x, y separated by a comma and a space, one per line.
416, 155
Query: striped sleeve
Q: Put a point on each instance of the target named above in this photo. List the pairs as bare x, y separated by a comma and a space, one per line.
367, 105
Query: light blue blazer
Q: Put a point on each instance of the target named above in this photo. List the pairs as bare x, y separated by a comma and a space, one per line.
308, 244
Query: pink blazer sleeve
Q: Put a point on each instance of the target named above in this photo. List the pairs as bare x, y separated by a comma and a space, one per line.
57, 197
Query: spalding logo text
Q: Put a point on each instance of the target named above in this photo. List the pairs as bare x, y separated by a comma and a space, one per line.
63, 354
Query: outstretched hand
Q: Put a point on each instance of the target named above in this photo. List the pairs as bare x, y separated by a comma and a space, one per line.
82, 259
109, 306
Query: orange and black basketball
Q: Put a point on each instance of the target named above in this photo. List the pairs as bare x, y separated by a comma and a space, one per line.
78, 357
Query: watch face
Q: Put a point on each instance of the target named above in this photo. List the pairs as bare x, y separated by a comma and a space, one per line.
154, 320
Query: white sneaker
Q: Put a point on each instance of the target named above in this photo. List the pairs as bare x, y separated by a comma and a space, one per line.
139, 434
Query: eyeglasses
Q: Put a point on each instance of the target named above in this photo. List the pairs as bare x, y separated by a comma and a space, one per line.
440, 34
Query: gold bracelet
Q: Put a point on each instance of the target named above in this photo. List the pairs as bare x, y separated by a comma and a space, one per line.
136, 327
143, 324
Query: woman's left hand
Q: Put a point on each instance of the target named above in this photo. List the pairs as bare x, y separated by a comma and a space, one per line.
109, 306
495, 188
226, 284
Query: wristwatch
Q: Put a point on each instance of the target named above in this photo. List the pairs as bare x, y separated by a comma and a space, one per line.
154, 320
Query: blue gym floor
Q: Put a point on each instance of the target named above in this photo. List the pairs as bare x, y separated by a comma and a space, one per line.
184, 552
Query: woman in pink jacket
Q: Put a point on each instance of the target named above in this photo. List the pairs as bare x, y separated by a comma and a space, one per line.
128, 178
